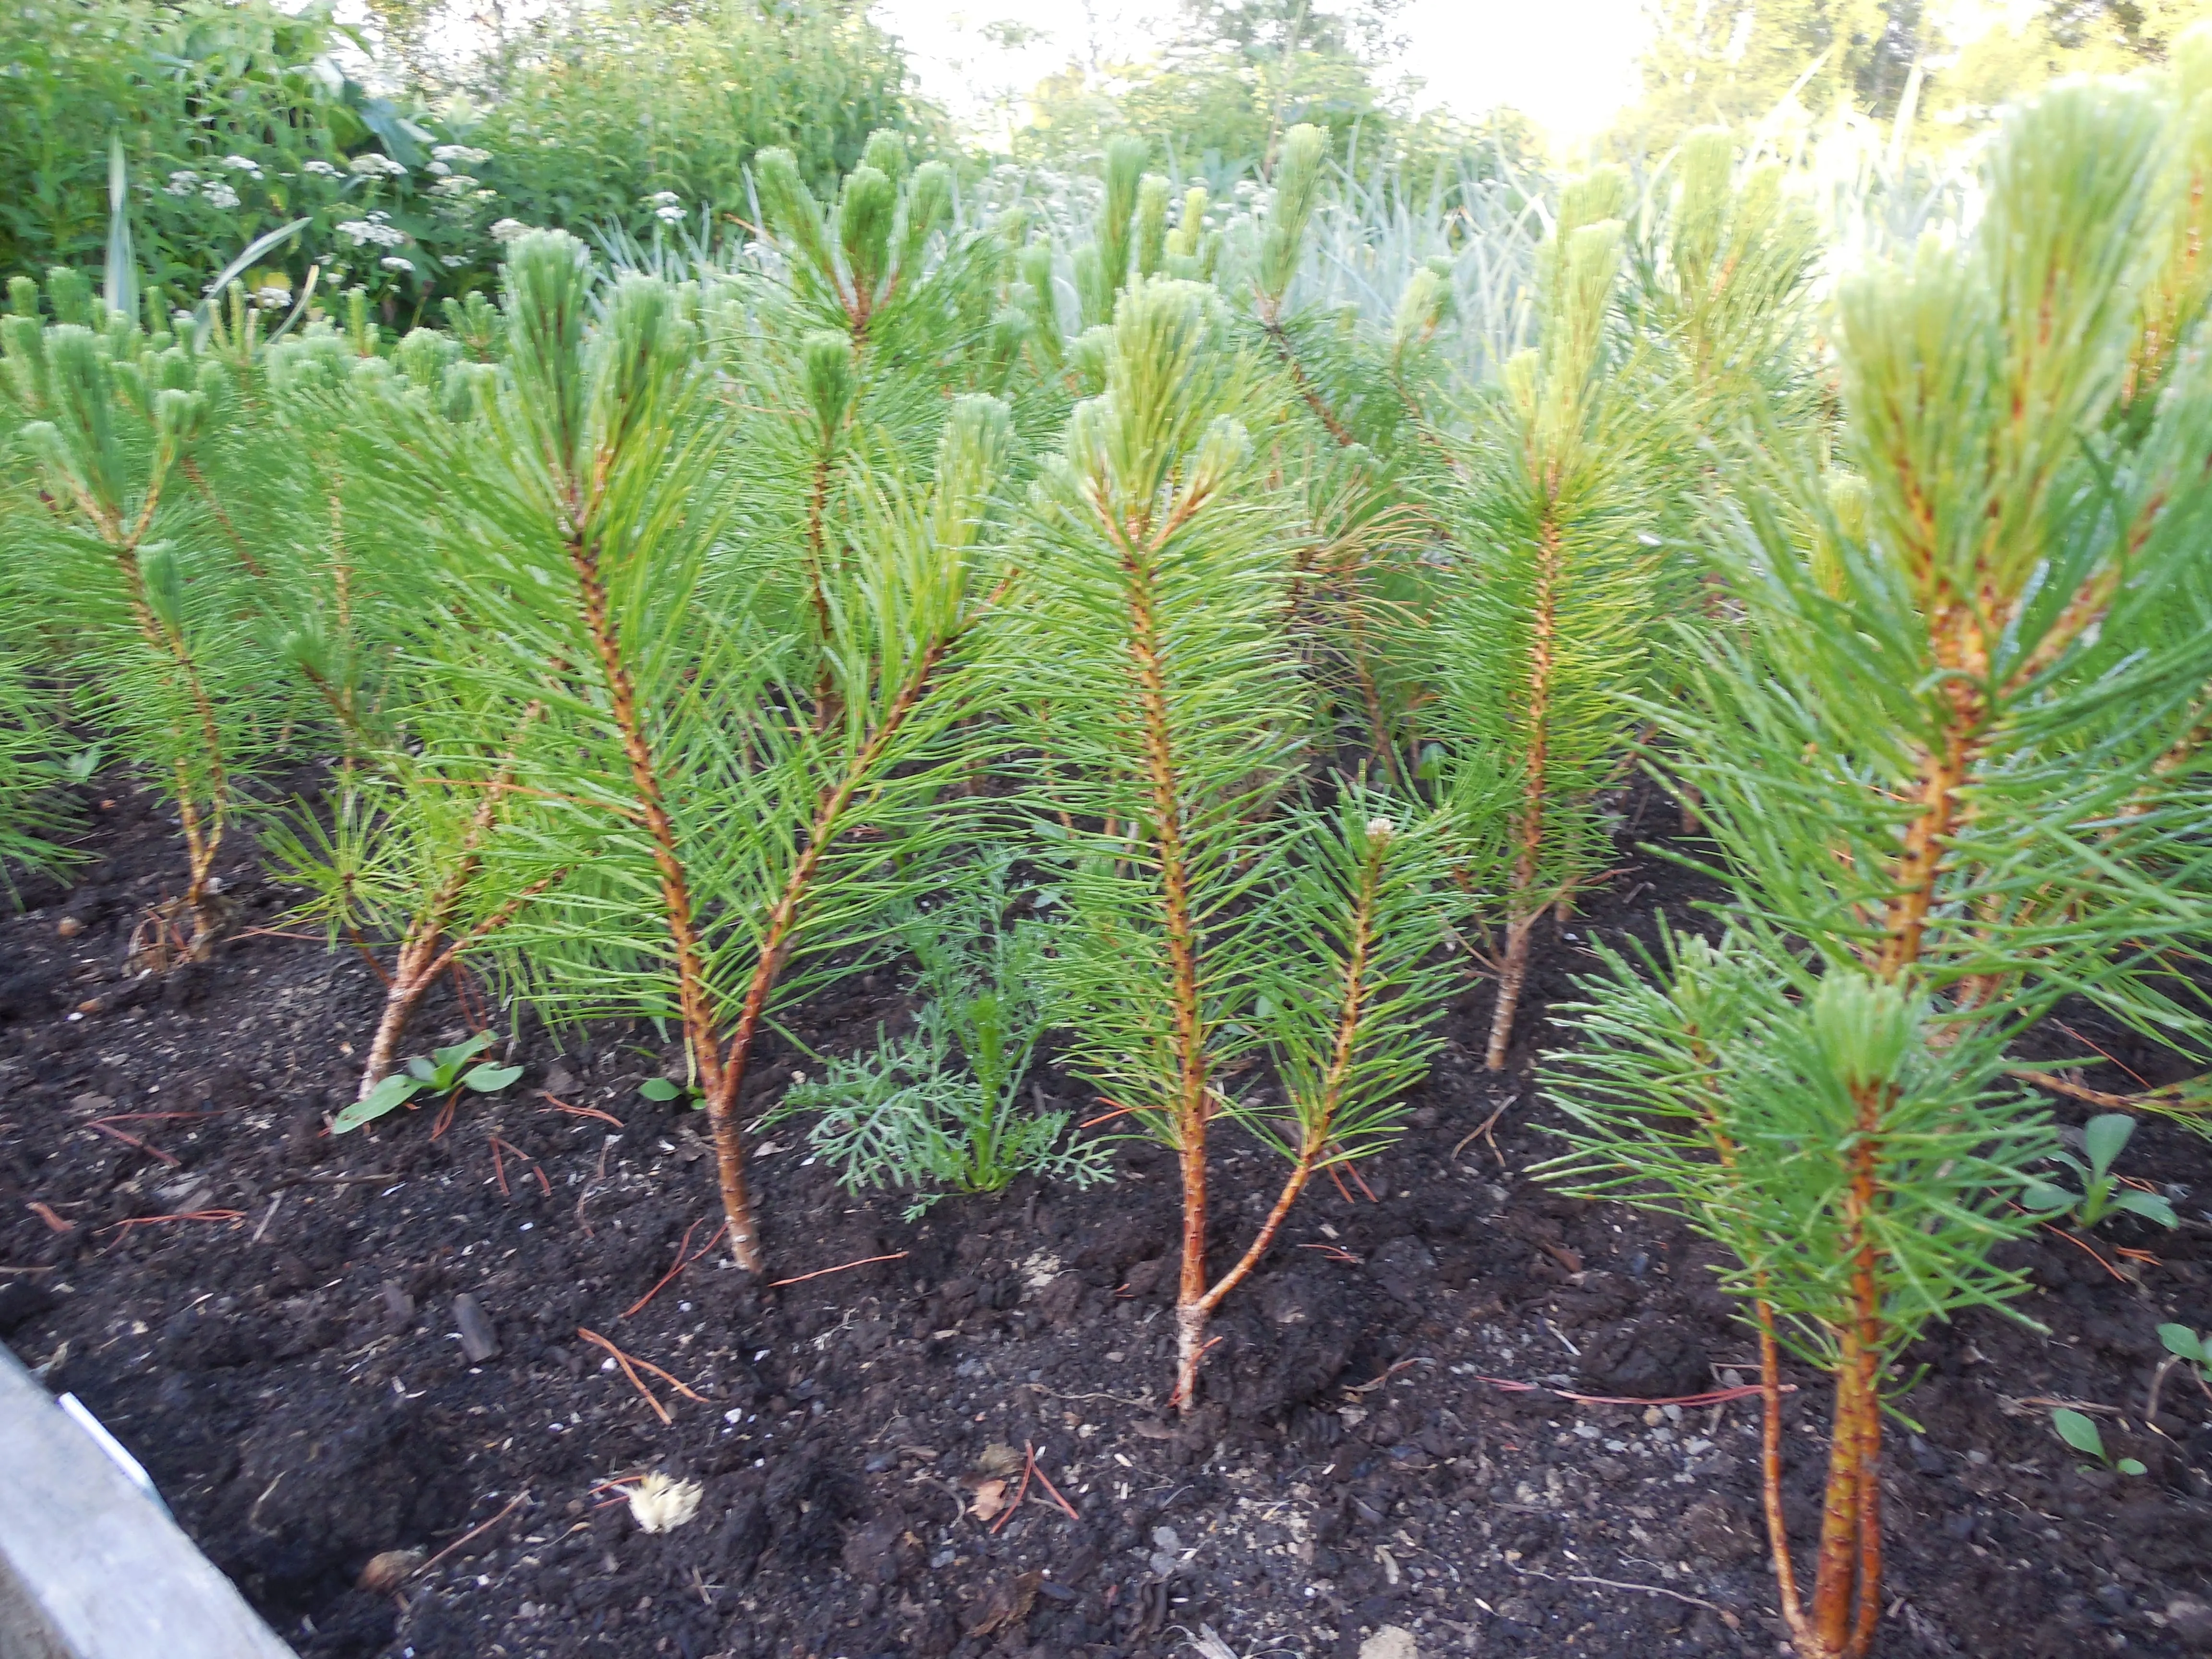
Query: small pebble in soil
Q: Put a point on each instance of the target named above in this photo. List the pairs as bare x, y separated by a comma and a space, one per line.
2190, 1618
479, 1338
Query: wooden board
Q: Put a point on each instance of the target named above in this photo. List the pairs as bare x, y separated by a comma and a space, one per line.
89, 1566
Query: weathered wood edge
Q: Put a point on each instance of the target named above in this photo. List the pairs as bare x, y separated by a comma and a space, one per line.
89, 1566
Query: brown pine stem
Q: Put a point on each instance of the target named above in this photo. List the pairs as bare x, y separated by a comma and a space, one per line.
1192, 1316
723, 1073
404, 993
420, 962
1306, 389
1529, 831
202, 839
1512, 976
826, 709
253, 567
1191, 1102
1770, 1465
1371, 694
693, 995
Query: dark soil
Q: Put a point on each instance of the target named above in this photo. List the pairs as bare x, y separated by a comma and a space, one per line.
288, 1364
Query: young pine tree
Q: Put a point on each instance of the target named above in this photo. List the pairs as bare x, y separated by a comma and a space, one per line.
724, 837
1208, 928
1932, 768
1542, 630
157, 616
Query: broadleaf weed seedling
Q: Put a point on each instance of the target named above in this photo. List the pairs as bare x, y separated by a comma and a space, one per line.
443, 1071
2078, 1430
2102, 1194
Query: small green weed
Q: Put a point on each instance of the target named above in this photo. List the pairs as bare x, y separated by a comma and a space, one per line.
445, 1072
940, 1110
2101, 1196
2190, 1345
2078, 1430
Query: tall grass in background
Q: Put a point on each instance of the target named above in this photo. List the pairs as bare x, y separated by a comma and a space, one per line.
601, 110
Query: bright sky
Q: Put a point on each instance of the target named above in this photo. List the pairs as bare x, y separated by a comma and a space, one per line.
1569, 64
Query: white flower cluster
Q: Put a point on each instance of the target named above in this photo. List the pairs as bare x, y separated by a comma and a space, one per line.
397, 264
373, 165
375, 228
272, 298
464, 154
322, 169
455, 185
667, 206
186, 184
242, 164
506, 230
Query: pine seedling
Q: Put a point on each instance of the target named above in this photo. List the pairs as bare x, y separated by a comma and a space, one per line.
1190, 251
1923, 769
1146, 642
1282, 247
1851, 1160
1152, 227
161, 633
721, 846
2175, 300
852, 264
1725, 281
1542, 629
1104, 269
429, 843
424, 848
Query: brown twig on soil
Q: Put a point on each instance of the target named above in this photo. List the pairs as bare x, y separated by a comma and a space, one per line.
1732, 1620
778, 1283
2150, 1400
44, 1212
630, 1366
2149, 1099
147, 1117
514, 1504
2088, 1248
1712, 1397
681, 1263
1374, 1382
113, 1134
1480, 1131
535, 1169
235, 1217
1020, 1492
1334, 1252
1066, 1508
551, 1104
